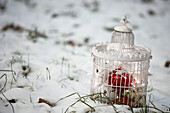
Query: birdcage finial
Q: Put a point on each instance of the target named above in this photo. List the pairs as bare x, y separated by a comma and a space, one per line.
125, 25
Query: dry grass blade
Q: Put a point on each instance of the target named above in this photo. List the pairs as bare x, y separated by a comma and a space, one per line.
110, 102
13, 73
71, 105
7, 70
145, 109
49, 75
120, 101
9, 103
5, 81
154, 105
79, 100
92, 108
140, 99
66, 97
2, 92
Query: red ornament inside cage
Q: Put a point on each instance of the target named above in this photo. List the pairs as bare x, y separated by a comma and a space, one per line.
120, 77
120, 80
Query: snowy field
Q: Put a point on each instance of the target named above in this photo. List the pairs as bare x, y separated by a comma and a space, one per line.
47, 44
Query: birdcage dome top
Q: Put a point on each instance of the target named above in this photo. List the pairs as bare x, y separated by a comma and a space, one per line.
122, 45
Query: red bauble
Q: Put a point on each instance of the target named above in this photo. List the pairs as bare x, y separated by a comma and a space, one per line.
120, 77
120, 80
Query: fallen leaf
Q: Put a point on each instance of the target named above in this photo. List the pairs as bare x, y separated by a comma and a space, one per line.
151, 12
54, 15
71, 43
3, 5
86, 40
46, 102
13, 27
167, 64
12, 101
6, 105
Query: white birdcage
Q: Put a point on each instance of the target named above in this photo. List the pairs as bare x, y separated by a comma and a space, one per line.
120, 68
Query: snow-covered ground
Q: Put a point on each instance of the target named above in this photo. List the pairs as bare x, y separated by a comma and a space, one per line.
61, 64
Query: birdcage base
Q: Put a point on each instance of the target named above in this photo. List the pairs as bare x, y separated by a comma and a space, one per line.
133, 97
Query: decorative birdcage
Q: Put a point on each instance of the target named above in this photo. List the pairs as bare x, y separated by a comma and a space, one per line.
120, 68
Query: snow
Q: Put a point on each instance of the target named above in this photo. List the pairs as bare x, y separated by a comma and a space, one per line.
73, 74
